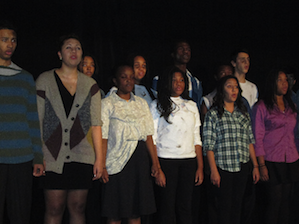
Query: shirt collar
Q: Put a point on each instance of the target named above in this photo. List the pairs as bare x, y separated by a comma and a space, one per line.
132, 98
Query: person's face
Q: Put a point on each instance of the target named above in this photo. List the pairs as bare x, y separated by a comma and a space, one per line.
291, 80
282, 84
183, 53
88, 66
178, 84
231, 91
71, 52
139, 68
242, 63
225, 71
8, 44
124, 80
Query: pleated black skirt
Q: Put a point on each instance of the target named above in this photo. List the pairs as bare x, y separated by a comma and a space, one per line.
129, 194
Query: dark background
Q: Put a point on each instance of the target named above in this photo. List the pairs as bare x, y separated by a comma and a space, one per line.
111, 29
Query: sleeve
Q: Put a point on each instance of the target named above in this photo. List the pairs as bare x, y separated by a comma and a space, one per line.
95, 106
156, 117
209, 133
250, 134
197, 139
259, 113
256, 94
149, 119
113, 89
105, 114
34, 126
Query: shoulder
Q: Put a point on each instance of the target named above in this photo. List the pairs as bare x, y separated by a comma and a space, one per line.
190, 103
189, 75
250, 84
259, 106
107, 99
113, 89
156, 78
26, 76
212, 113
140, 100
86, 79
46, 76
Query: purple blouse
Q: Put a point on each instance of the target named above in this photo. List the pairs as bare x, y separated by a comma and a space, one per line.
275, 133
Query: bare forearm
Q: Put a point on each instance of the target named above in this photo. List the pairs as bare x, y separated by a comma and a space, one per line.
211, 160
199, 158
97, 142
152, 150
252, 155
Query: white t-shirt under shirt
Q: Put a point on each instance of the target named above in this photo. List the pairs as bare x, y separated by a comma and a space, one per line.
177, 140
249, 92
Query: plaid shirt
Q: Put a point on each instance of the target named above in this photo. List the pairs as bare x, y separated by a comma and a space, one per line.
228, 137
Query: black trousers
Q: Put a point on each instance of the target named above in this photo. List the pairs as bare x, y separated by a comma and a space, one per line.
175, 200
16, 192
229, 196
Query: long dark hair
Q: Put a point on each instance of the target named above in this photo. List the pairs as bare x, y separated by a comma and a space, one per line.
219, 97
269, 96
164, 103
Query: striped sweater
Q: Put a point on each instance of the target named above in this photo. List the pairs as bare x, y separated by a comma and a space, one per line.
19, 125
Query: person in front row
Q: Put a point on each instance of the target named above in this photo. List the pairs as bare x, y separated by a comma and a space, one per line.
178, 143
69, 105
228, 144
127, 139
274, 127
20, 144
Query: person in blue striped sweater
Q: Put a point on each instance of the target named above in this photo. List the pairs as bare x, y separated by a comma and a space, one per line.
20, 142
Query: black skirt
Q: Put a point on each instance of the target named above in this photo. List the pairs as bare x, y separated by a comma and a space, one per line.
129, 194
281, 173
74, 176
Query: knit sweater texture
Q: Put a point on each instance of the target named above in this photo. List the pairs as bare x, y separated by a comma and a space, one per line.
19, 125
67, 139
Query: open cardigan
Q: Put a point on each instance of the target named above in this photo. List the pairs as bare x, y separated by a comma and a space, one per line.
67, 139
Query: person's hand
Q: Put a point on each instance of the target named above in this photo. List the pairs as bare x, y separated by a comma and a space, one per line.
97, 170
215, 178
38, 170
105, 176
264, 173
155, 170
255, 175
199, 177
160, 179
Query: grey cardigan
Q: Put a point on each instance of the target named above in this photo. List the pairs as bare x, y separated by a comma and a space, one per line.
67, 139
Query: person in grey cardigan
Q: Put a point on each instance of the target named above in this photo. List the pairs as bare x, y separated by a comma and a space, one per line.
69, 106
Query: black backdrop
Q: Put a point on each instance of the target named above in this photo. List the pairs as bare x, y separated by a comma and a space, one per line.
110, 29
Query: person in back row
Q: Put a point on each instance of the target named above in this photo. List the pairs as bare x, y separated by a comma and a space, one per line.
240, 61
89, 66
181, 55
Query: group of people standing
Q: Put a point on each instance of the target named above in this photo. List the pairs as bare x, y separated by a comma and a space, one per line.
139, 134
